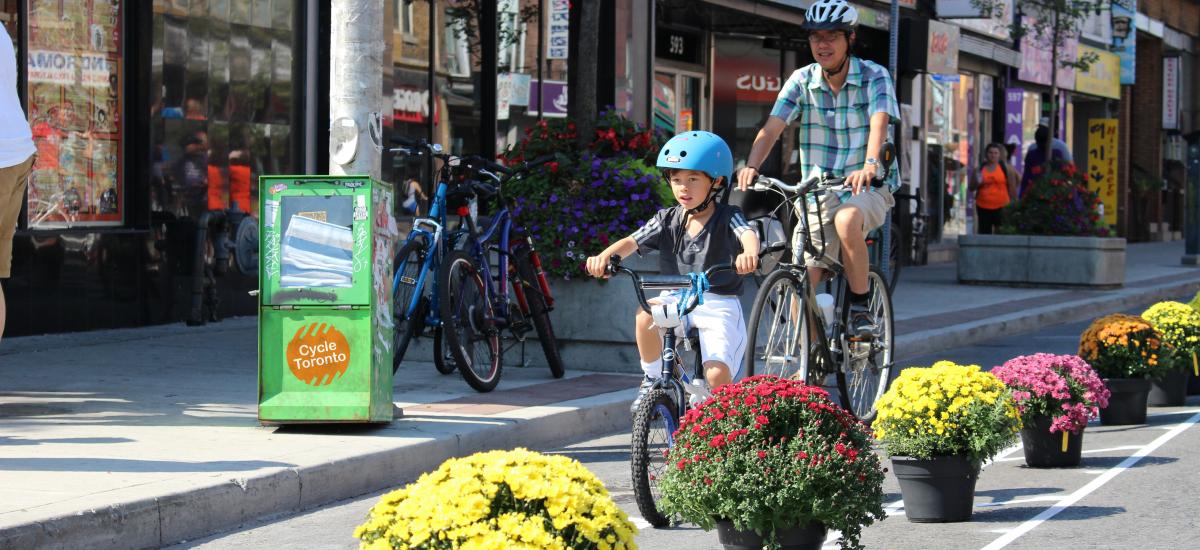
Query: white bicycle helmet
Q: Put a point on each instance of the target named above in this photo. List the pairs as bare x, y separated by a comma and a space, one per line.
826, 15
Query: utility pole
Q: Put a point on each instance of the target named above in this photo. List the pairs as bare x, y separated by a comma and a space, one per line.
356, 87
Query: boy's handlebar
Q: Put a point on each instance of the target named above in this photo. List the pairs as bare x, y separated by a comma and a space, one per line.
662, 282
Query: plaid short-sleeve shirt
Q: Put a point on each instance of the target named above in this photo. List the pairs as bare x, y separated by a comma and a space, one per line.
834, 129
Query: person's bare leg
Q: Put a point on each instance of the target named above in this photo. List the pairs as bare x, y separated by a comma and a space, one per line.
849, 224
717, 374
649, 342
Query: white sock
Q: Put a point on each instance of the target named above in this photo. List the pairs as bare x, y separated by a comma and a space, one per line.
652, 370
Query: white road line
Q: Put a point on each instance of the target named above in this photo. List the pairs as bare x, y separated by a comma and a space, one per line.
640, 522
1052, 511
1085, 451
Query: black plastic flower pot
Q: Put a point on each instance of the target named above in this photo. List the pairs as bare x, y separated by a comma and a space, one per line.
1170, 390
1127, 404
803, 537
1193, 386
937, 490
1044, 449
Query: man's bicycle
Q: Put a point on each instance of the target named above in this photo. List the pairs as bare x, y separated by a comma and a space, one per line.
477, 305
657, 415
797, 331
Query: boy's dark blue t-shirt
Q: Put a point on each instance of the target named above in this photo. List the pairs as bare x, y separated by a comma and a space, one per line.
717, 243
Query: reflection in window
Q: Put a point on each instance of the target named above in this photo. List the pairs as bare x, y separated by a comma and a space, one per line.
317, 248
221, 73
74, 104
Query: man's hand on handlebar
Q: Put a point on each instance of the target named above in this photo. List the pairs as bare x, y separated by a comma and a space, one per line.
746, 262
860, 180
746, 177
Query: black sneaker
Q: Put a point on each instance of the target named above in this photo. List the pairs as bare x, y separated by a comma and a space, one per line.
644, 389
861, 326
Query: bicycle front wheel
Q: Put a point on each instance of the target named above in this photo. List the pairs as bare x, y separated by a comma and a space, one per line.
867, 366
468, 322
407, 318
654, 422
778, 332
539, 311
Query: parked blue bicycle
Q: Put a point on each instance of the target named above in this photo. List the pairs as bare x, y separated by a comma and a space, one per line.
462, 308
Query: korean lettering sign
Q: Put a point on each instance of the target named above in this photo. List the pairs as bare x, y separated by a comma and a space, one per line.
1102, 164
558, 26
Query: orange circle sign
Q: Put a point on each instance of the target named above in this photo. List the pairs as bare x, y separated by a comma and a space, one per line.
318, 354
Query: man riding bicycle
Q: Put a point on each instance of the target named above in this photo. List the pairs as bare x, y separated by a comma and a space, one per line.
844, 105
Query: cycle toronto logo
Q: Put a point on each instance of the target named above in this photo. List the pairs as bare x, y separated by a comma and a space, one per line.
318, 354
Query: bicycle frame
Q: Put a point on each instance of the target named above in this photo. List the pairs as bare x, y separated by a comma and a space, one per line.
496, 292
433, 230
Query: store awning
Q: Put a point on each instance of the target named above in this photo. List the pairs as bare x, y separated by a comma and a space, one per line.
989, 50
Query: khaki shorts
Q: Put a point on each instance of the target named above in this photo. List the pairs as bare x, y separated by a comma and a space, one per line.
874, 205
12, 195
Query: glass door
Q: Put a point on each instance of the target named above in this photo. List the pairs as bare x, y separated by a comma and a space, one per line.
678, 101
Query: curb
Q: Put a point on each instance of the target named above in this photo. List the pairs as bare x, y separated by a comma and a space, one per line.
937, 340
212, 508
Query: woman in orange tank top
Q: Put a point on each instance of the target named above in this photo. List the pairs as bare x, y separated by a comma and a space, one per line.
994, 187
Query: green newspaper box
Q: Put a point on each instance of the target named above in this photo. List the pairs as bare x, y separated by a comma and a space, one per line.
325, 295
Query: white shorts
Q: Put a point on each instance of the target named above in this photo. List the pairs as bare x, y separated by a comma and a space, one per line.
721, 325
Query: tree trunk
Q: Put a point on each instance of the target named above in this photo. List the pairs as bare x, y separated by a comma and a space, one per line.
584, 109
356, 61
1049, 153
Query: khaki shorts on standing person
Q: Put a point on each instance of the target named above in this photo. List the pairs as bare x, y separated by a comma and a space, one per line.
12, 195
874, 205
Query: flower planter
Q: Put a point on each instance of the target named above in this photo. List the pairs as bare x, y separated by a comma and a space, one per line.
1170, 390
1044, 449
1127, 405
804, 537
1193, 385
937, 490
1037, 260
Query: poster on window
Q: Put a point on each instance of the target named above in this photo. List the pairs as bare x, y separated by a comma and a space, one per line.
74, 106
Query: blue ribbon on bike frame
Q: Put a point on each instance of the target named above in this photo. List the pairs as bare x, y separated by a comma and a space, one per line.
699, 285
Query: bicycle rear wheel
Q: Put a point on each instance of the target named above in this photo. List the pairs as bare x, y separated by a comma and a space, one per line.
778, 333
539, 310
654, 422
469, 323
407, 323
867, 366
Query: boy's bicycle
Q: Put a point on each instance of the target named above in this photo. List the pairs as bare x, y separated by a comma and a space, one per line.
476, 307
658, 413
796, 332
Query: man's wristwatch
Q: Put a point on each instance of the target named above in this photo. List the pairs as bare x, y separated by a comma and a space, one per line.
873, 162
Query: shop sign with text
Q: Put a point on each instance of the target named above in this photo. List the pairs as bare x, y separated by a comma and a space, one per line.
1102, 164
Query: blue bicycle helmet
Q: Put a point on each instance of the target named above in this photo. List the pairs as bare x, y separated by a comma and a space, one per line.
698, 150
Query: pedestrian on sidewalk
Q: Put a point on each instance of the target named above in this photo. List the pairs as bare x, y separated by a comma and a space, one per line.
1035, 157
16, 158
994, 186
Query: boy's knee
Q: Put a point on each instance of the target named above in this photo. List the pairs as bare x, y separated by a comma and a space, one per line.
643, 320
717, 373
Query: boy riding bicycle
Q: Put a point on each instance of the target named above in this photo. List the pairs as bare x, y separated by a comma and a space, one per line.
844, 105
695, 235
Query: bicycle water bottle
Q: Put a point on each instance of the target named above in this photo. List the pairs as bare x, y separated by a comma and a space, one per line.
825, 302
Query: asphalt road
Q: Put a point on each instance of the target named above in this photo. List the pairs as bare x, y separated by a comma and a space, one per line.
1137, 488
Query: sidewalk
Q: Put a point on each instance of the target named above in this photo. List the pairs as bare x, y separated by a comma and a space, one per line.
144, 437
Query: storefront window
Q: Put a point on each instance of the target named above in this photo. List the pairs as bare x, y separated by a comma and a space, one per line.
74, 107
746, 82
222, 103
952, 137
624, 58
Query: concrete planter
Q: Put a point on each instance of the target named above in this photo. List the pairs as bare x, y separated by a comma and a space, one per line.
1041, 261
593, 321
